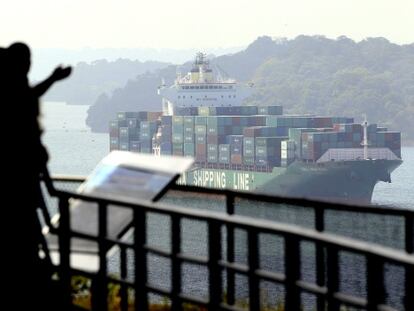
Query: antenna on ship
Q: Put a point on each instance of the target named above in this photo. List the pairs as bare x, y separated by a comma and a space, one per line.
178, 73
365, 143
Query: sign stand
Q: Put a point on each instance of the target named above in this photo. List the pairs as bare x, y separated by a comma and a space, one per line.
125, 177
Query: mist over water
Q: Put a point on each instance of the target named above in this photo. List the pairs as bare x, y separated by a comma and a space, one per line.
75, 150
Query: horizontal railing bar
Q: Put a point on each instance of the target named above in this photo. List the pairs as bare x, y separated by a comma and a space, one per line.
86, 236
270, 276
275, 277
181, 256
386, 308
312, 288
183, 297
309, 287
350, 300
337, 243
157, 251
231, 308
76, 251
192, 299
88, 274
192, 259
237, 267
160, 291
265, 226
301, 202
120, 281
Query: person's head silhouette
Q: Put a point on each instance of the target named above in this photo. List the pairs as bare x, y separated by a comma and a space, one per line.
3, 61
19, 58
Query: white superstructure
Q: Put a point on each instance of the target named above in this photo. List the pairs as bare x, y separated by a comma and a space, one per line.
201, 88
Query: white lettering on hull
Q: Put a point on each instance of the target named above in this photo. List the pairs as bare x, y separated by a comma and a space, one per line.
241, 181
212, 179
182, 180
218, 179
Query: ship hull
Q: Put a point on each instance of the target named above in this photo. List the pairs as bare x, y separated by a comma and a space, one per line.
340, 181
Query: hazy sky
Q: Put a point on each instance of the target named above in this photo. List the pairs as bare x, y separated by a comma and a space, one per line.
186, 24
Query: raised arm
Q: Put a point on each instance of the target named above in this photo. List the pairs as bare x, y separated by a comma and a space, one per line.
59, 73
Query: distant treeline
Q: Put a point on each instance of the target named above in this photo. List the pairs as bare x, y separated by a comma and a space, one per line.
90, 80
308, 74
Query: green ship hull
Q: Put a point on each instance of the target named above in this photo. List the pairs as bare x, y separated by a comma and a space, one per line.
339, 181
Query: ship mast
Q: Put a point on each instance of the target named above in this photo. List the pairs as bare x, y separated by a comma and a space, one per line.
365, 143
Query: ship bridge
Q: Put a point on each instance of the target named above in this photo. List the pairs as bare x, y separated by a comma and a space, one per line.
200, 87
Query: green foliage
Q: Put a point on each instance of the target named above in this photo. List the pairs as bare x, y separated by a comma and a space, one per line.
310, 75
355, 79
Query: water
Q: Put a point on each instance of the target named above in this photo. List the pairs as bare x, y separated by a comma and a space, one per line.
74, 149
400, 191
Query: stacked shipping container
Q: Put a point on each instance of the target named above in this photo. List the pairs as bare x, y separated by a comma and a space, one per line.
242, 135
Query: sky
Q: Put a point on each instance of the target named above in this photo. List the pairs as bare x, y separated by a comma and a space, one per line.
185, 24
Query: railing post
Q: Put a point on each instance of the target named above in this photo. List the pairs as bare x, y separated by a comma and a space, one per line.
64, 250
375, 282
292, 267
100, 285
124, 274
214, 250
175, 263
141, 301
409, 285
253, 255
319, 219
320, 256
333, 278
409, 233
230, 251
409, 271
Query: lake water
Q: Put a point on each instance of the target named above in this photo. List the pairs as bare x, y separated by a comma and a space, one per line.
75, 150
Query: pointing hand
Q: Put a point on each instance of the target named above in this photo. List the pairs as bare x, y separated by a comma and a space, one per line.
61, 73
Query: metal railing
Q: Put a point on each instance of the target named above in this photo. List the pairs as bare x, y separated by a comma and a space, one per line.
221, 293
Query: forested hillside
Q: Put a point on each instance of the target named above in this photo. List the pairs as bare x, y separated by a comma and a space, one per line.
305, 75
89, 80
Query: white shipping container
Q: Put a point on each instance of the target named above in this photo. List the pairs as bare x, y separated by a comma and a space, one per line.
287, 145
287, 154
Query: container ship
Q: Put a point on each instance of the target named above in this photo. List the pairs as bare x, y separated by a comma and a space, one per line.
258, 148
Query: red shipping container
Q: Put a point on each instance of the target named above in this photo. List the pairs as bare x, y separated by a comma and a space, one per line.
236, 159
154, 115
201, 149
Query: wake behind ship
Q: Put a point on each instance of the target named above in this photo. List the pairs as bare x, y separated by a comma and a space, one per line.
258, 148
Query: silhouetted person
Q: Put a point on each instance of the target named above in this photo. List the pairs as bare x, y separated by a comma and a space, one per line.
26, 158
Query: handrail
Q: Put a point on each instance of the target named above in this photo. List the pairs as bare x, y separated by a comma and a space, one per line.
252, 223
303, 202
318, 206
328, 246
